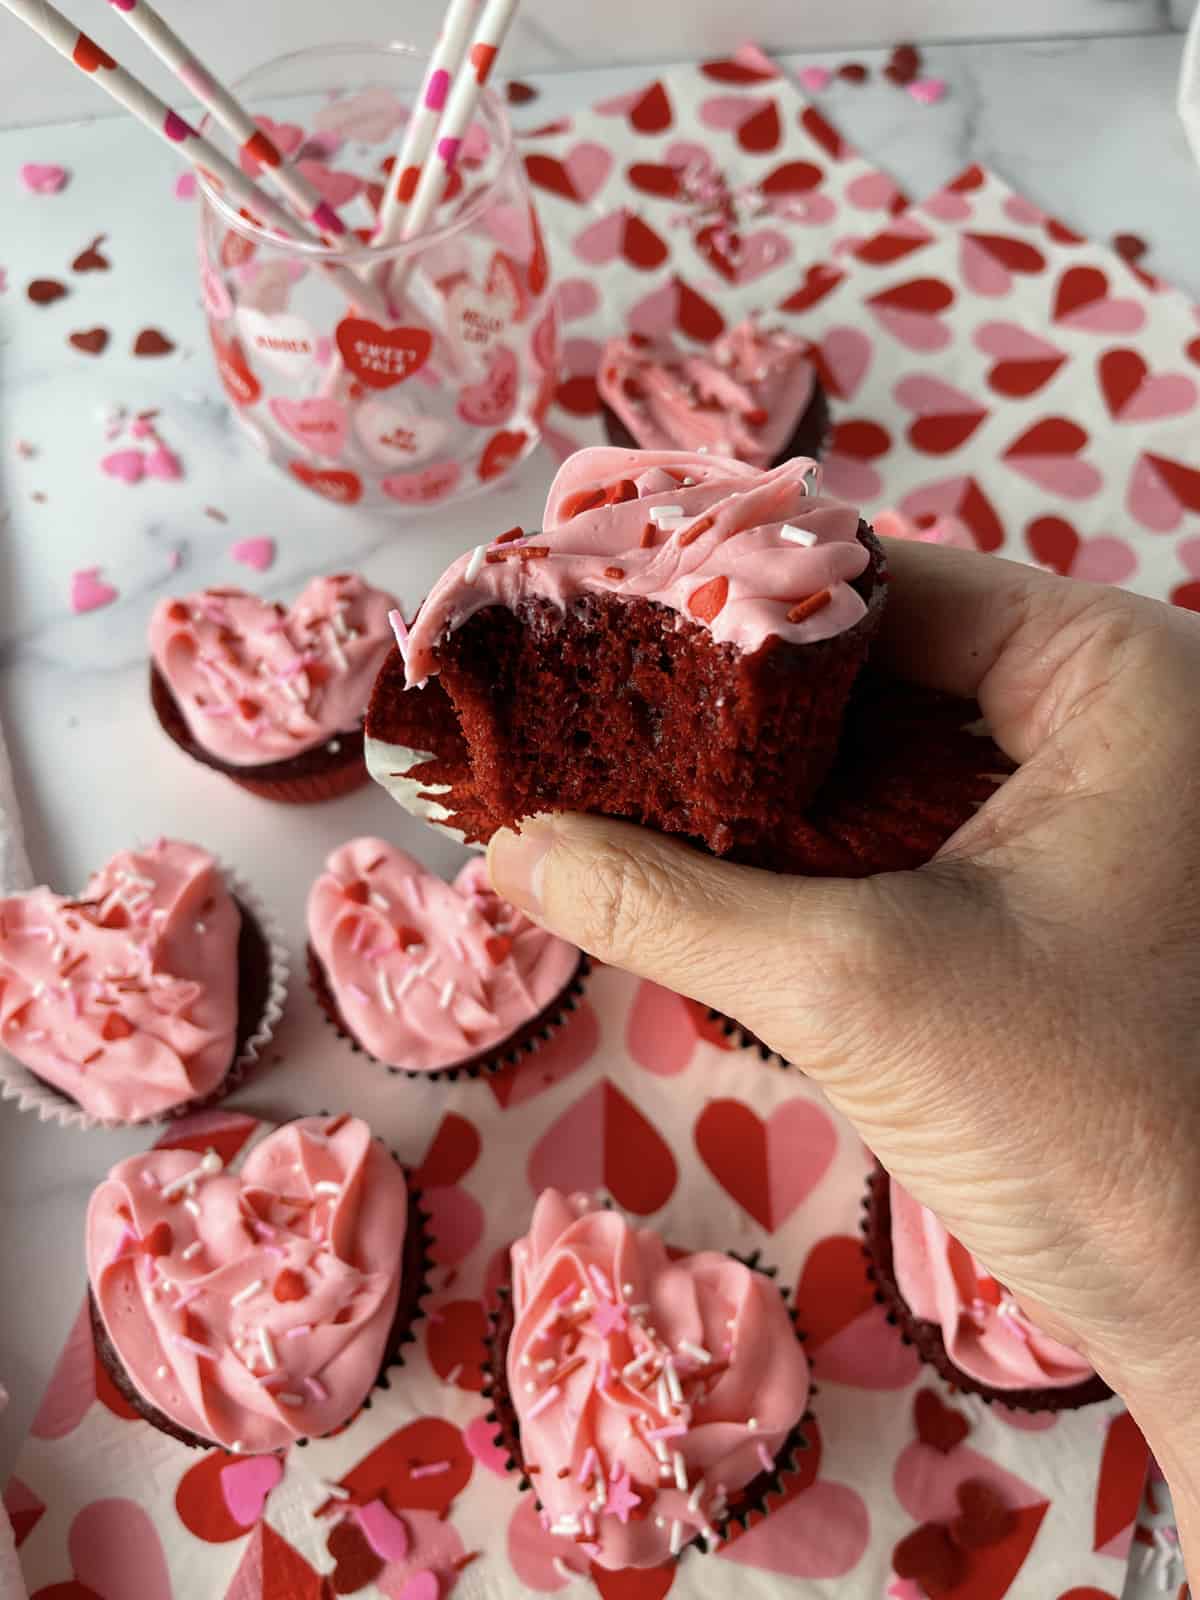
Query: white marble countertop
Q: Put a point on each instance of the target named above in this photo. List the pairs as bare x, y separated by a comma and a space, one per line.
1086, 128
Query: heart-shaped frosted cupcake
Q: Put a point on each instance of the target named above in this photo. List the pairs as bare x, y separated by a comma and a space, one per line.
253, 1308
647, 1400
271, 696
143, 997
427, 976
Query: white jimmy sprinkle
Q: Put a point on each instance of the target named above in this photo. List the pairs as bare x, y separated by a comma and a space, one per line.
336, 651
190, 1205
676, 1537
681, 1477
327, 1186
661, 514
247, 1293
475, 565
752, 1423
446, 995
674, 1386
568, 1574
162, 1372
694, 1350
385, 990
632, 1368
290, 1399
380, 901
663, 1454
797, 535
406, 983
193, 1249
267, 1348
696, 1496
427, 965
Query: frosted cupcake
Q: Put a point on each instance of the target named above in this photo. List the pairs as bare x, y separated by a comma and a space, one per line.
146, 996
754, 393
250, 1309
429, 977
272, 697
960, 1319
647, 1400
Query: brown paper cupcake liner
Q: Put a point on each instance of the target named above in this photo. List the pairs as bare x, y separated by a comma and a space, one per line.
332, 769
926, 1337
416, 1268
744, 1508
528, 1038
747, 1040
262, 957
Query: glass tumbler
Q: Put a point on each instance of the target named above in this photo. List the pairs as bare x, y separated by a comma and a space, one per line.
436, 386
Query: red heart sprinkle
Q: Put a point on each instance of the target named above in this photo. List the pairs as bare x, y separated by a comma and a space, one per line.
159, 1240
289, 1285
115, 1027
498, 947
357, 891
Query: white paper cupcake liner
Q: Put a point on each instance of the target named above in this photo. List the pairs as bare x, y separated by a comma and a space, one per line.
31, 1093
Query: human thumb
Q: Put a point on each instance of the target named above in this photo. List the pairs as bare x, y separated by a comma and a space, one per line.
783, 955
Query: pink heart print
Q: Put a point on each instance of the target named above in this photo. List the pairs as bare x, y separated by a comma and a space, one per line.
847, 355
318, 423
128, 466
588, 165
115, 1552
246, 1484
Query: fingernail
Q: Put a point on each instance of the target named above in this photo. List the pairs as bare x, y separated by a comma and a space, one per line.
517, 863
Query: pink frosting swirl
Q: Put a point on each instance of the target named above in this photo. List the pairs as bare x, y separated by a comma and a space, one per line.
748, 555
428, 974
660, 1386
257, 683
742, 396
127, 998
985, 1334
252, 1309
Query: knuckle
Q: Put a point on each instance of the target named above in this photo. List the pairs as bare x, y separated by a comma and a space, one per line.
621, 906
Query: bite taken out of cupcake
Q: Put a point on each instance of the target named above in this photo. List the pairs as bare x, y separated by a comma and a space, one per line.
146, 995
272, 696
754, 393
255, 1307
428, 977
647, 1398
962, 1322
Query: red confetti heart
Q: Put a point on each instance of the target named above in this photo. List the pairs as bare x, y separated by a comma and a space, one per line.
762, 131
92, 341
938, 1425
237, 380
386, 1474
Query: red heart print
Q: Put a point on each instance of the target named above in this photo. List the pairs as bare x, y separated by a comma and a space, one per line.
1119, 1491
505, 280
579, 177
734, 71
1082, 301
769, 1167
567, 1050
1049, 453
382, 357
652, 111
226, 1132
238, 381
761, 132
741, 258
658, 1034
989, 261
862, 440
273, 1569
500, 453
455, 1342
959, 497
939, 1426
641, 246
634, 1583
946, 417
825, 134
984, 1517
930, 1557
816, 1528
24, 1509
452, 1153
846, 1332
386, 1474
898, 240
343, 488
88, 56
843, 359
819, 281
1025, 362
1133, 393
793, 177
651, 178
1053, 542
910, 312
1160, 490
1187, 595
604, 1141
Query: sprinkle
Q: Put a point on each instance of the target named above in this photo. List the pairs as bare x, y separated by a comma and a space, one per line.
568, 1574
446, 995
247, 1293
696, 1496
267, 1348
632, 1368
548, 1365
325, 1186
380, 901
809, 607
201, 1351
190, 1205
764, 1456
177, 1185
640, 1309
615, 573
587, 1465
798, 535
455, 1372
385, 991
431, 1469
694, 1350
676, 1537
681, 1477
601, 1281
406, 983
672, 1430
663, 1454
699, 527
475, 565
298, 1331
675, 1388
627, 1290
649, 533
567, 1523
290, 1399
316, 1388
752, 1423
545, 1402
661, 514
400, 630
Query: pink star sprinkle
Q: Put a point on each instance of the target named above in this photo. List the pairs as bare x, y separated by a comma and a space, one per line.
608, 1317
621, 1498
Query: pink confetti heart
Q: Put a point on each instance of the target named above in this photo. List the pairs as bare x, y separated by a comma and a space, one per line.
337, 188
384, 1531
246, 1484
127, 465
480, 1437
185, 186
43, 177
89, 591
814, 79
421, 1586
256, 553
163, 463
928, 91
176, 129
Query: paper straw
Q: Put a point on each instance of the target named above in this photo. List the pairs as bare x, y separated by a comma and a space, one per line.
50, 24
217, 100
456, 119
444, 66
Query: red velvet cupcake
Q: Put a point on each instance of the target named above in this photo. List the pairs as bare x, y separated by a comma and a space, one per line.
271, 697
753, 393
677, 647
